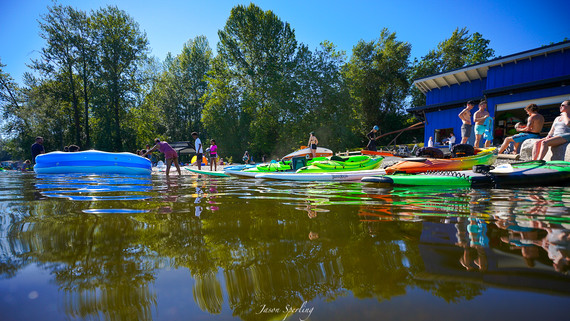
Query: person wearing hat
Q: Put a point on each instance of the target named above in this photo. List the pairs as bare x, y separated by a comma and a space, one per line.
313, 142
372, 138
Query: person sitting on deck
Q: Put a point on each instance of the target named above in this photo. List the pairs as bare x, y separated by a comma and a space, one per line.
559, 133
532, 129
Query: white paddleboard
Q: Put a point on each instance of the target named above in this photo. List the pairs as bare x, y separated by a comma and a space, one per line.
322, 177
502, 169
240, 173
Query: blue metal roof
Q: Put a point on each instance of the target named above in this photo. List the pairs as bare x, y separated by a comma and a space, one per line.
479, 71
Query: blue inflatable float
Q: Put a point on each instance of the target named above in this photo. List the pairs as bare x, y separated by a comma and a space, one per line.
92, 162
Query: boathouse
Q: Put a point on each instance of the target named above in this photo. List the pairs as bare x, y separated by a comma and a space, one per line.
510, 83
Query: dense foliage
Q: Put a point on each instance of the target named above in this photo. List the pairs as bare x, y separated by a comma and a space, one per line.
96, 86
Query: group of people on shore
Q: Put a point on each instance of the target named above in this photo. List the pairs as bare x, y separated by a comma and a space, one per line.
171, 156
559, 132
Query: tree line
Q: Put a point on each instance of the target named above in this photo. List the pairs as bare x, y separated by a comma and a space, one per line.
95, 85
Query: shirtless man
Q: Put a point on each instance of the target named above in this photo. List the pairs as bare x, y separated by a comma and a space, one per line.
465, 116
532, 129
313, 142
479, 118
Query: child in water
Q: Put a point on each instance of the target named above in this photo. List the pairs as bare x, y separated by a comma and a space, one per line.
213, 154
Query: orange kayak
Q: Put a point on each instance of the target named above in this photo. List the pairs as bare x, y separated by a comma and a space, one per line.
483, 157
370, 152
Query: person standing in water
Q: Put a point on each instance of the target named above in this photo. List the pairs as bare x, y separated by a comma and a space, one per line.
213, 154
313, 142
38, 148
170, 154
199, 149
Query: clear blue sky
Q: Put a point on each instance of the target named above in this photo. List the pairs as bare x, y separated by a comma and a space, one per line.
512, 26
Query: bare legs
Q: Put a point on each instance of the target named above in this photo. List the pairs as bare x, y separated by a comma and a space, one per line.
506, 143
177, 165
477, 140
541, 146
169, 163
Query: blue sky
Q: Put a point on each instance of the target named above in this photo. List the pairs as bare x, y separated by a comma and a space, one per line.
512, 26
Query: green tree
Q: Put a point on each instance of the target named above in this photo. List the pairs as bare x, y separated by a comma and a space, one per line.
460, 50
223, 114
122, 47
259, 50
59, 56
377, 76
179, 89
84, 42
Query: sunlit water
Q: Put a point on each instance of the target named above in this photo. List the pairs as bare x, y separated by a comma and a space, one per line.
200, 248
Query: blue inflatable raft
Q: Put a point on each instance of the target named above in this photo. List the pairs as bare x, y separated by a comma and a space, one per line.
92, 162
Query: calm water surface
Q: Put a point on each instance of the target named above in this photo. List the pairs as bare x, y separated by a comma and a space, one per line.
200, 248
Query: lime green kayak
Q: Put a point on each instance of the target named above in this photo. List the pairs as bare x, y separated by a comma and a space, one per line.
279, 166
336, 166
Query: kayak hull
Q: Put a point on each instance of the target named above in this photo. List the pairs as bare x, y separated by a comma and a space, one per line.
484, 157
536, 173
332, 166
321, 177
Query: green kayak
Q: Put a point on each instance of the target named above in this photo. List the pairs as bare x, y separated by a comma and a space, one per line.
338, 166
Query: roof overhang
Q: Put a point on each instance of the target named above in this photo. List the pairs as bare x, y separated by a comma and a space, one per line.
183, 148
479, 71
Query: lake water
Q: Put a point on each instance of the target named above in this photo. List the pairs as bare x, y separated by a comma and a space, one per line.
199, 248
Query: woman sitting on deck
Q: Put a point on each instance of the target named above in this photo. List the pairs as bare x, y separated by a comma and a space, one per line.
559, 133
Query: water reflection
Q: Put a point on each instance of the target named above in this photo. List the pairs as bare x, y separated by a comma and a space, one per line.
250, 245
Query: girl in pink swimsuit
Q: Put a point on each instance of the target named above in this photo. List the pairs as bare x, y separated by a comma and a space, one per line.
169, 154
213, 154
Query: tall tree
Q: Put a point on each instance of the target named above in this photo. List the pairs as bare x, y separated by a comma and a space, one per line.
180, 88
122, 46
259, 50
84, 42
377, 77
8, 89
460, 50
60, 55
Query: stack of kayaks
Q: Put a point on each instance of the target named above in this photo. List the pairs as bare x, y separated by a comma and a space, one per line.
419, 165
342, 164
333, 169
281, 166
344, 168
532, 173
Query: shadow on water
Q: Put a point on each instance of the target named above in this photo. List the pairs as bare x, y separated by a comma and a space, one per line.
117, 247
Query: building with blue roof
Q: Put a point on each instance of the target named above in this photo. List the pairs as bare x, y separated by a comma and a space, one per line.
540, 76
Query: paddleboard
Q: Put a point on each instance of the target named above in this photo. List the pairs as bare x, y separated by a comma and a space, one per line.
207, 172
316, 177
236, 172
